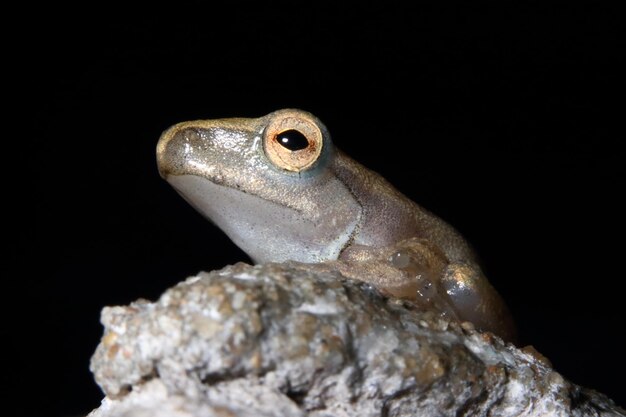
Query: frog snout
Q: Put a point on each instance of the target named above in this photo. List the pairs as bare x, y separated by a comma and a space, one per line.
174, 150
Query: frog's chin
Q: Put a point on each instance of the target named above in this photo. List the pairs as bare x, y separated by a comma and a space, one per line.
265, 230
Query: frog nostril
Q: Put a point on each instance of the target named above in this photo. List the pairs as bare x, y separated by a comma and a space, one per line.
190, 135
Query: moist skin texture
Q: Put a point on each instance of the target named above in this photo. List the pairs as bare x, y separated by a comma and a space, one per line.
282, 195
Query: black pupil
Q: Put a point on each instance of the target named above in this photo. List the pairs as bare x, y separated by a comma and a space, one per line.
292, 140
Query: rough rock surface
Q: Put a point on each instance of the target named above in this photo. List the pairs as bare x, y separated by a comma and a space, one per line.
297, 340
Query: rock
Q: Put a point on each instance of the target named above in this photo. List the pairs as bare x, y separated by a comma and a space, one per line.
300, 340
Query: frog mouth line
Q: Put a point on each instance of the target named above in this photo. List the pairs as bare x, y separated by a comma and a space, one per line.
221, 182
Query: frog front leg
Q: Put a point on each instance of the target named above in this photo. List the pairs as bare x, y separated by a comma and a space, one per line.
416, 270
477, 301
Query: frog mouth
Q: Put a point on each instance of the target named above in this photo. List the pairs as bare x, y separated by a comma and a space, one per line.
265, 230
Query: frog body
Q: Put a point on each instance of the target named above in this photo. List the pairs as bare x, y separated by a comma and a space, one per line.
281, 190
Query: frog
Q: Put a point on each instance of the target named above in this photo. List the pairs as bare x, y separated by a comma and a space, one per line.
280, 189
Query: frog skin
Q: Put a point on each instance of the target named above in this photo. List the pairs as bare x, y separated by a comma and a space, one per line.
280, 189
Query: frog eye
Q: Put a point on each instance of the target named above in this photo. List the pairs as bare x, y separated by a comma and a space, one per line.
292, 141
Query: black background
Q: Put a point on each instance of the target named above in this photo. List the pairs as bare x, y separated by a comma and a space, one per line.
498, 117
